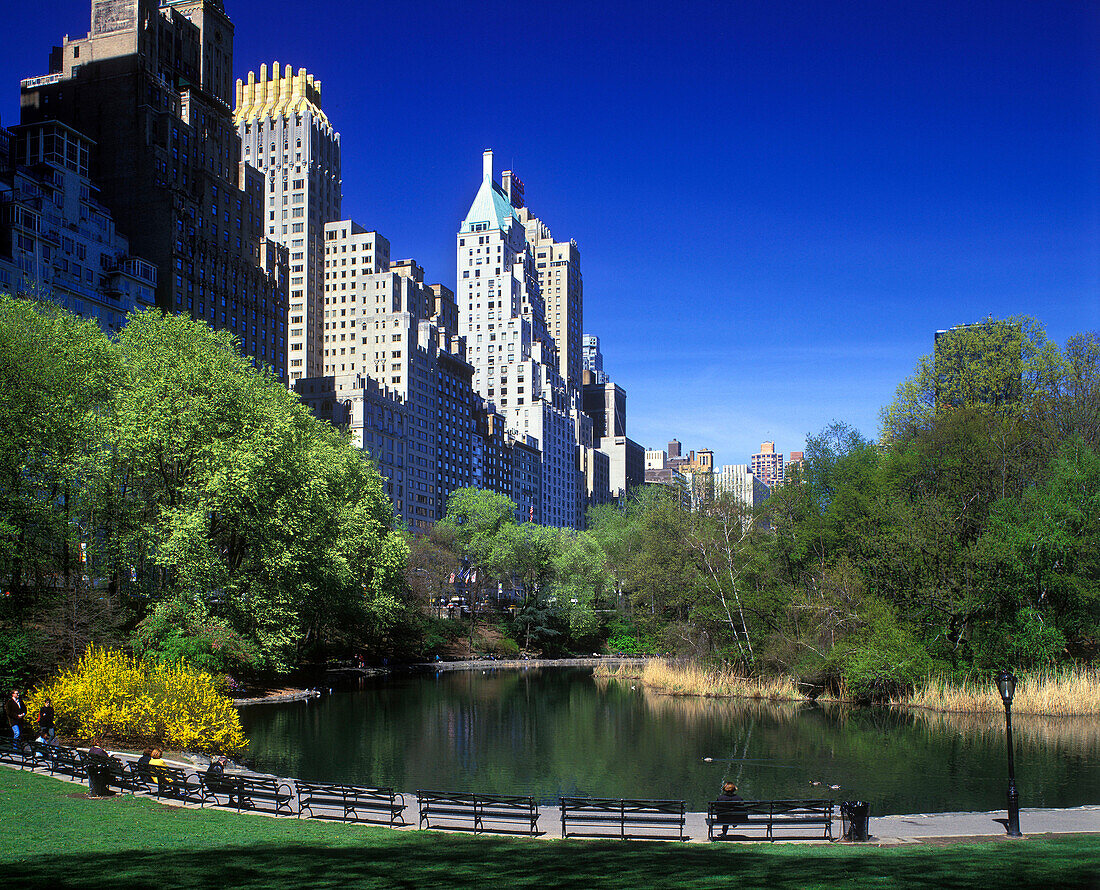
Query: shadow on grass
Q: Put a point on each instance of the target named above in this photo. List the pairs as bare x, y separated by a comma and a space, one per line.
431, 860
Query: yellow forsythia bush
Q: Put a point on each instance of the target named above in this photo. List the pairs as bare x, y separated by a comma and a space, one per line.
111, 695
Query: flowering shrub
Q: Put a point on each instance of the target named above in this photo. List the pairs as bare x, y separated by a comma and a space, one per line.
111, 695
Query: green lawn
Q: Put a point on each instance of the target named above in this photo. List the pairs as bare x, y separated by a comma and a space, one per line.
53, 837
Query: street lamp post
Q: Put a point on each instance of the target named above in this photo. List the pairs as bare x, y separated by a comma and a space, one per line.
1006, 686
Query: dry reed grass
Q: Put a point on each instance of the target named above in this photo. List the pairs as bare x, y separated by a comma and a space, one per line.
691, 678
1068, 692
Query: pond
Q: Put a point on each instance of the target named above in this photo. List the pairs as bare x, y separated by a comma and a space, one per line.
552, 731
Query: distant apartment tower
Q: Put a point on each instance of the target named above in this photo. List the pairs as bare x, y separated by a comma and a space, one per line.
502, 317
592, 358
285, 135
57, 241
150, 86
394, 372
558, 269
794, 459
767, 465
605, 403
741, 483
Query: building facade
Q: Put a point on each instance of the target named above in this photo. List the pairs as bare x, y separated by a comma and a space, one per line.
738, 481
502, 318
287, 137
150, 87
57, 241
767, 465
592, 358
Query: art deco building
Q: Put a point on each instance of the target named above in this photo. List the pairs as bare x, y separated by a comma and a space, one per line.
285, 134
558, 269
592, 358
150, 87
516, 365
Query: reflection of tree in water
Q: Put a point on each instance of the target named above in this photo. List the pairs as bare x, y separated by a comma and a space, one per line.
556, 732
1078, 735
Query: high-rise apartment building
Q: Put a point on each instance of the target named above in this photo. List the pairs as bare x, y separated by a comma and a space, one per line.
767, 465
150, 86
395, 373
503, 320
558, 269
592, 358
739, 481
285, 135
57, 241
605, 403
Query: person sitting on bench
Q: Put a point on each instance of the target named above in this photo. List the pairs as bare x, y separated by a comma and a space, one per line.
730, 814
216, 782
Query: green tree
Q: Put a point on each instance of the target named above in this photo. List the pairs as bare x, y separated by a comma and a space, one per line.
223, 483
580, 569
55, 374
999, 366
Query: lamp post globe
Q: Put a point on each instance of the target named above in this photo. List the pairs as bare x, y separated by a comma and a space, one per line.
1006, 686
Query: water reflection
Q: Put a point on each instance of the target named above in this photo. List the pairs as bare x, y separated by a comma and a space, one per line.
551, 732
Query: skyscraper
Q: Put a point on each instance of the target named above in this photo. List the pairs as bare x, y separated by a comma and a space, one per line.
150, 86
502, 317
558, 268
767, 465
592, 358
285, 134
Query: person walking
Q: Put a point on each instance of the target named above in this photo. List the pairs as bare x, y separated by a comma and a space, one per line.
16, 712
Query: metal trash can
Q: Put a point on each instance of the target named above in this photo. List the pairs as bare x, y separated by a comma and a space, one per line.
98, 774
855, 816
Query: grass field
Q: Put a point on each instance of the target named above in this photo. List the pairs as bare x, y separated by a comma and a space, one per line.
51, 836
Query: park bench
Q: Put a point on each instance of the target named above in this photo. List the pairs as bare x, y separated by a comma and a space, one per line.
770, 814
64, 761
163, 781
472, 812
14, 752
356, 803
263, 793
649, 815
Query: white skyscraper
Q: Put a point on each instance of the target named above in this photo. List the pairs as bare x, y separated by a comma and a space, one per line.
285, 134
502, 317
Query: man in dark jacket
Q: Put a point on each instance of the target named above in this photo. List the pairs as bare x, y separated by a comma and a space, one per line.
15, 711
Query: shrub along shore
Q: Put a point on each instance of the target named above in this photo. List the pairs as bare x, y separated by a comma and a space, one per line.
1065, 692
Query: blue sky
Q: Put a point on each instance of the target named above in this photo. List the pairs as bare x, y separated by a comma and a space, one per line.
776, 203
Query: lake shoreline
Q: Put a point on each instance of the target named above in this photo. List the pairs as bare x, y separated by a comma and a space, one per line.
284, 695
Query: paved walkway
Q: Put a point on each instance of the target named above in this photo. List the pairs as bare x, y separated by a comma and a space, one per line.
885, 830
